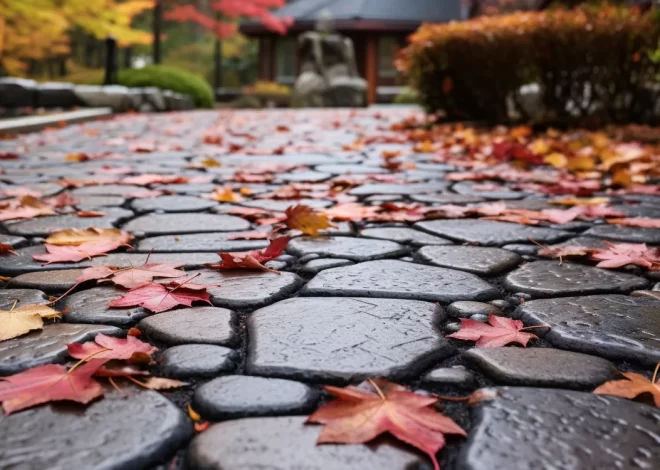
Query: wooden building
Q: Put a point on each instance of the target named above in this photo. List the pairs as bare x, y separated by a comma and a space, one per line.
378, 28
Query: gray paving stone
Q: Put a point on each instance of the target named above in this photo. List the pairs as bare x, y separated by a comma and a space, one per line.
404, 235
304, 176
95, 437
258, 160
42, 226
187, 188
405, 189
457, 376
12, 240
350, 169
523, 249
625, 234
466, 308
344, 339
48, 281
477, 260
195, 360
206, 325
355, 249
240, 396
587, 242
611, 326
490, 232
24, 297
91, 306
400, 279
467, 188
107, 190
317, 265
47, 345
172, 204
446, 198
281, 206
264, 443
165, 224
542, 367
198, 242
551, 279
546, 428
96, 202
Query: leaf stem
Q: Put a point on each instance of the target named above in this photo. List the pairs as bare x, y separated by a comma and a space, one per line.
13, 305
141, 384
378, 390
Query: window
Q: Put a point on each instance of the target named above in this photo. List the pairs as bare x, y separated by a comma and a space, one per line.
388, 47
285, 66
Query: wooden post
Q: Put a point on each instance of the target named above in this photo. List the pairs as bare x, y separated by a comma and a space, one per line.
372, 68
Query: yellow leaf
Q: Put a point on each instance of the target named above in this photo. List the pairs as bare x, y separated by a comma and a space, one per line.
210, 163
245, 191
558, 160
581, 163
75, 237
193, 414
225, 195
622, 177
572, 201
76, 157
19, 321
304, 218
539, 147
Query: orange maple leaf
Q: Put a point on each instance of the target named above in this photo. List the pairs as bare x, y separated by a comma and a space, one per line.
635, 385
303, 218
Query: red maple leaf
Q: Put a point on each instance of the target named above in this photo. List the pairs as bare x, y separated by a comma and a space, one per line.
642, 222
499, 332
109, 347
252, 259
159, 298
620, 254
61, 254
133, 276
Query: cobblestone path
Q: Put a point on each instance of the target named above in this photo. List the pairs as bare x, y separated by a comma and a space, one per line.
368, 299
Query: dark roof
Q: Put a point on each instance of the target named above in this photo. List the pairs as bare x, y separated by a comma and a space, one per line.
366, 14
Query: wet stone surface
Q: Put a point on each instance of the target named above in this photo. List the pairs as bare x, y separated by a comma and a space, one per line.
24, 297
42, 226
587, 431
404, 235
449, 376
206, 325
650, 236
355, 249
466, 308
163, 224
91, 306
239, 396
198, 242
483, 261
95, 437
47, 281
196, 360
551, 279
400, 279
317, 265
172, 204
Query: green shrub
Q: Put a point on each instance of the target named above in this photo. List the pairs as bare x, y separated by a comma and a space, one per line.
247, 102
407, 96
170, 78
588, 62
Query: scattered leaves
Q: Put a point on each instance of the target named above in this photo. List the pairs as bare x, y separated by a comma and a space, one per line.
252, 259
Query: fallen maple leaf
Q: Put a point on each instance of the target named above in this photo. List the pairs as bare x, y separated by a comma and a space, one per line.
249, 235
224, 194
109, 347
636, 385
18, 321
63, 254
636, 222
133, 276
51, 382
252, 259
303, 218
160, 383
620, 254
90, 214
358, 416
499, 332
159, 298
74, 237
62, 200
6, 248
26, 207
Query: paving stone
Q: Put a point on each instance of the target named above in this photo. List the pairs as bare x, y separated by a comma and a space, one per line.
263, 443
47, 345
400, 279
406, 189
446, 198
259, 160
611, 326
194, 360
95, 437
350, 169
468, 188
482, 261
542, 367
91, 306
317, 265
587, 242
523, 249
457, 376
214, 242
121, 190
551, 279
187, 188
206, 325
404, 235
281, 206
12, 240
165, 224
172, 204
240, 396
241, 289
626, 234
466, 308
355, 249
47, 281
24, 297
42, 226
344, 339
309, 176
546, 428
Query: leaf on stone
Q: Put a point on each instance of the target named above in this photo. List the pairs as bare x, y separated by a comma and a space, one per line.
90, 214
19, 321
359, 415
159, 298
224, 194
563, 251
621, 254
6, 249
119, 369
63, 254
642, 222
499, 331
133, 276
252, 259
26, 207
48, 383
160, 383
248, 235
305, 219
633, 386
109, 347
62, 200
75, 237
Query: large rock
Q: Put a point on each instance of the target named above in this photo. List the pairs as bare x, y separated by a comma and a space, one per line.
91, 306
477, 260
205, 325
344, 339
612, 326
288, 444
355, 249
625, 234
558, 429
402, 280
114, 433
195, 360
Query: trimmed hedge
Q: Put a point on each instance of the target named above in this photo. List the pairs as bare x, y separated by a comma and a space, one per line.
590, 62
170, 78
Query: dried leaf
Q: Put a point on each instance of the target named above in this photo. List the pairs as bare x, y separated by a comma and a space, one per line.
109, 347
499, 332
74, 237
159, 298
252, 259
63, 254
303, 218
160, 383
634, 386
19, 321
